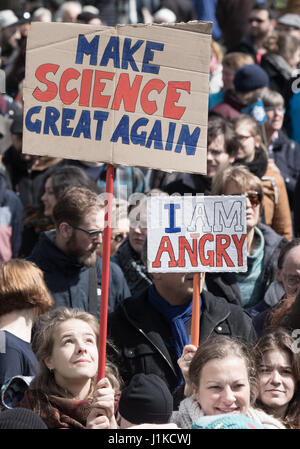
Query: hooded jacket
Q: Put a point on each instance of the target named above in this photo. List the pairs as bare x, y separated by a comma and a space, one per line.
139, 333
68, 281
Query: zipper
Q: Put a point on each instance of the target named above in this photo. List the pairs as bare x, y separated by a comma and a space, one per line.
150, 341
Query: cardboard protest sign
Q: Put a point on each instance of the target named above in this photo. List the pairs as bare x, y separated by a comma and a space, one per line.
196, 233
134, 95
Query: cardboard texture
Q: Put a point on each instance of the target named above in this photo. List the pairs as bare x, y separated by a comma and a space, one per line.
196, 234
133, 95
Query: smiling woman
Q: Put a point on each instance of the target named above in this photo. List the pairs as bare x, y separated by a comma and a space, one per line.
222, 378
64, 393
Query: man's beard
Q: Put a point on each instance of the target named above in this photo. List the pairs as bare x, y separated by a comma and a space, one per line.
82, 258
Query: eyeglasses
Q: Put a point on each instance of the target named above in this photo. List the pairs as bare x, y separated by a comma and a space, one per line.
93, 233
279, 109
255, 198
255, 19
118, 238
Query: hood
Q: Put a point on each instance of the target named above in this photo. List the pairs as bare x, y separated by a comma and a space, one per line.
48, 256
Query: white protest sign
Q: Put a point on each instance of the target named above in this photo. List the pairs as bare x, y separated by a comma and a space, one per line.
196, 233
133, 94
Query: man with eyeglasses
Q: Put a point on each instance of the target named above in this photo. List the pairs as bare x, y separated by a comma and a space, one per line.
261, 25
68, 254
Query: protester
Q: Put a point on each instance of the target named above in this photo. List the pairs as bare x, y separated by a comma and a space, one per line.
249, 82
263, 244
281, 59
23, 297
146, 399
128, 255
9, 38
282, 290
64, 392
284, 151
278, 377
261, 25
68, 12
119, 228
151, 330
289, 24
55, 180
222, 377
68, 254
252, 154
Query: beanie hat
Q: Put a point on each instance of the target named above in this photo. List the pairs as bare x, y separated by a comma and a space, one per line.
250, 77
226, 421
146, 399
20, 418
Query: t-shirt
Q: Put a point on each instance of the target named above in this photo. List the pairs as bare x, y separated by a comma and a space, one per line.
16, 357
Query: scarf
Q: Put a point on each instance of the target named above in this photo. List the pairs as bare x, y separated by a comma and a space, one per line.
176, 316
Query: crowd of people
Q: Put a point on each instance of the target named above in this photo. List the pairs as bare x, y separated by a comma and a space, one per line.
245, 372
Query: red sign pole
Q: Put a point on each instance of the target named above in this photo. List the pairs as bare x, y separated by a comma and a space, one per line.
105, 271
195, 326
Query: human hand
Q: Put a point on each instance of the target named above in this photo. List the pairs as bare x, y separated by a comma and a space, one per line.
184, 364
102, 412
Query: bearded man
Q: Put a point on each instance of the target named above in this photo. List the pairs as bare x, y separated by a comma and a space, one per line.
68, 254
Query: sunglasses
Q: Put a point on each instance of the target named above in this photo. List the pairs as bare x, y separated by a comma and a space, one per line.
118, 238
93, 233
255, 19
255, 198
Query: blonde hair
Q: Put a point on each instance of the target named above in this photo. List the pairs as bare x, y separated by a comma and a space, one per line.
236, 60
238, 174
283, 44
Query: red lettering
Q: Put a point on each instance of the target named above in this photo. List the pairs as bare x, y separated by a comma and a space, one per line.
184, 245
40, 74
85, 88
170, 110
150, 106
101, 101
221, 250
126, 92
239, 246
165, 246
68, 97
209, 261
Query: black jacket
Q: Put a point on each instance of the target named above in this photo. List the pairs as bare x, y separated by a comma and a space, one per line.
68, 281
139, 333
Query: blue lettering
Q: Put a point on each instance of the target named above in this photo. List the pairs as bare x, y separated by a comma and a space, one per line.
111, 52
138, 139
36, 126
67, 115
149, 55
172, 208
190, 140
84, 125
100, 116
122, 130
170, 138
128, 52
51, 117
155, 136
88, 48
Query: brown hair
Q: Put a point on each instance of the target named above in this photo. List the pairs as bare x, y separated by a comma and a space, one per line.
280, 339
218, 126
283, 44
22, 286
236, 60
238, 174
220, 347
74, 204
43, 343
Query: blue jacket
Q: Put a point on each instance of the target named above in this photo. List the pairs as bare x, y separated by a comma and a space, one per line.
68, 281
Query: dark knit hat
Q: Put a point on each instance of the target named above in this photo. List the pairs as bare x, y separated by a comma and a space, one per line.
146, 399
250, 77
20, 418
